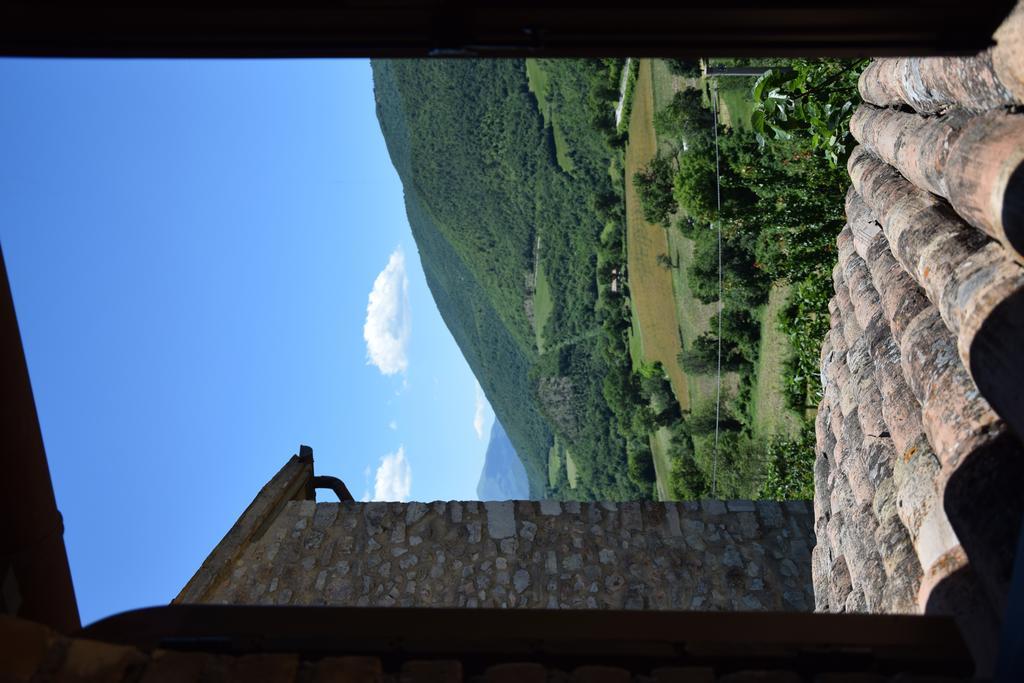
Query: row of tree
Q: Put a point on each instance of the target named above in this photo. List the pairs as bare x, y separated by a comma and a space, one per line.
778, 201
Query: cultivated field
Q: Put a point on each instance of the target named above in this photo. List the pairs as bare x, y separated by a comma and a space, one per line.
650, 284
771, 416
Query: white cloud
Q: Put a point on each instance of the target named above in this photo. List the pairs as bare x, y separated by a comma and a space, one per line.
393, 425
480, 412
394, 477
388, 320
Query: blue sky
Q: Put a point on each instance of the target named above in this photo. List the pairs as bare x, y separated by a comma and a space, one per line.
192, 248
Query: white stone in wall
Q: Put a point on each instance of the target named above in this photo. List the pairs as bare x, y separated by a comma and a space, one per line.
501, 519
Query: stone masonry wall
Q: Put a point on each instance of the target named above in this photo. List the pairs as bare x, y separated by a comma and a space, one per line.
713, 555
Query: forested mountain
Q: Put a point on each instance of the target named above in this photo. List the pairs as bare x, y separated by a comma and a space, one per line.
503, 476
496, 215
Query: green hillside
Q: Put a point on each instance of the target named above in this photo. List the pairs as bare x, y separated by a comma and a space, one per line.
489, 204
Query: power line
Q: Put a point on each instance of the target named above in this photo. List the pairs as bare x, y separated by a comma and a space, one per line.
718, 225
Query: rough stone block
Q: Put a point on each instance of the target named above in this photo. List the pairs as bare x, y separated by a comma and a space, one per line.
771, 514
672, 521
521, 580
325, 515
414, 512
713, 507
632, 516
740, 505
798, 507
501, 519
550, 507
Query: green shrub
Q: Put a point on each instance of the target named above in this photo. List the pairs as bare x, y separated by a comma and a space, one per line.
640, 464
789, 468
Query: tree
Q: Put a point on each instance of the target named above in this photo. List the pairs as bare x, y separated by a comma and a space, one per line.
701, 358
653, 185
686, 481
741, 329
702, 419
686, 226
665, 261
686, 117
689, 68
813, 99
694, 187
640, 463
663, 403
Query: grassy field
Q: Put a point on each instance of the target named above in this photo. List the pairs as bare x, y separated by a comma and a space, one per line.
771, 416
561, 147
694, 319
693, 316
558, 457
650, 285
636, 347
737, 106
543, 304
554, 465
570, 468
540, 86
664, 84
660, 444
636, 340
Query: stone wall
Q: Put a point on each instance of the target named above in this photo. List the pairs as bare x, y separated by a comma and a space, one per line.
713, 555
